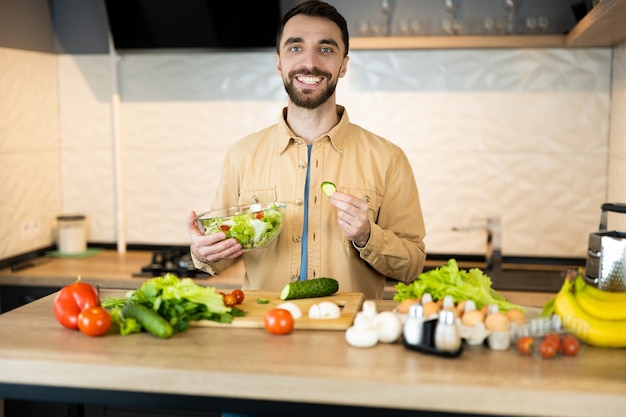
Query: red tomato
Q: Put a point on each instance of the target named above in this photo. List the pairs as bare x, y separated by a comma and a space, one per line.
279, 321
526, 345
94, 321
554, 339
570, 345
258, 215
547, 349
239, 295
230, 300
224, 228
73, 299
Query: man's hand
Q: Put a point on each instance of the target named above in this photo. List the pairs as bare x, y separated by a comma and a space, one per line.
352, 217
210, 248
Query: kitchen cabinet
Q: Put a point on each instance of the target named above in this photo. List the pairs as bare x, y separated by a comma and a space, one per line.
603, 26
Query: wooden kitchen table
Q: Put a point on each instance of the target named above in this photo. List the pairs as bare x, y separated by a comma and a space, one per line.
306, 373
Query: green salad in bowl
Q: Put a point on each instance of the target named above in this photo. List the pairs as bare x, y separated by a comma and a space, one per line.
254, 226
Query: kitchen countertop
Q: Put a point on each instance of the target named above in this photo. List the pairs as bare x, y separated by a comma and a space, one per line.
107, 269
110, 269
243, 368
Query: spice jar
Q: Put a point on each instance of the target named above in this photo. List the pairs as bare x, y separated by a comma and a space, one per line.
72, 236
447, 337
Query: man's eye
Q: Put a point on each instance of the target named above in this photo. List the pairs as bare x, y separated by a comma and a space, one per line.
326, 50
295, 49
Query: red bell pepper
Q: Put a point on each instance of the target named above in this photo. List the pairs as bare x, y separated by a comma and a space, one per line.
71, 300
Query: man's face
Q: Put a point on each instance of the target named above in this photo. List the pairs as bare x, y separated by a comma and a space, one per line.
311, 60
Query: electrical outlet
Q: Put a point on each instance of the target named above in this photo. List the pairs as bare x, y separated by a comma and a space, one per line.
30, 229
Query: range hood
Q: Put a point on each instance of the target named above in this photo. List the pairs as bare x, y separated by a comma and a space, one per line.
167, 24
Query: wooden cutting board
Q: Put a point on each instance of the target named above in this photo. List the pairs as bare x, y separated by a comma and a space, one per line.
349, 303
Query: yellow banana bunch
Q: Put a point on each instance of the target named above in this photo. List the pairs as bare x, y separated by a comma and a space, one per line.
596, 331
600, 304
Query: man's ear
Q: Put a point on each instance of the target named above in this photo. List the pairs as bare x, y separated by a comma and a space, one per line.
278, 66
344, 66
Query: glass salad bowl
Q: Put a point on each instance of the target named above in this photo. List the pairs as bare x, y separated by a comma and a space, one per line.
253, 226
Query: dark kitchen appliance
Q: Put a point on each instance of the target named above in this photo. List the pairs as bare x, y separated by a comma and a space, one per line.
176, 261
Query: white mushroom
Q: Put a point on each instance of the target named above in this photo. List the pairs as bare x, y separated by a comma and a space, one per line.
369, 309
292, 308
388, 326
361, 337
325, 310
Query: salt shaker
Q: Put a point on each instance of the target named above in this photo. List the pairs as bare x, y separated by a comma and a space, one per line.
413, 326
447, 337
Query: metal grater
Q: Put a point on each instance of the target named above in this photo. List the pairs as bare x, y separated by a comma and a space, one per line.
606, 257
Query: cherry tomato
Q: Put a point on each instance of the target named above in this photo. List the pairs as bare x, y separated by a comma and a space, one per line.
526, 345
258, 215
547, 349
570, 345
230, 300
554, 339
239, 295
279, 321
224, 228
94, 321
73, 299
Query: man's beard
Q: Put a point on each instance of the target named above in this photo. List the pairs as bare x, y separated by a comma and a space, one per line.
302, 98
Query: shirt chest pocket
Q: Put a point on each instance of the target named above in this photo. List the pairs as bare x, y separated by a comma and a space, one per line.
259, 195
370, 195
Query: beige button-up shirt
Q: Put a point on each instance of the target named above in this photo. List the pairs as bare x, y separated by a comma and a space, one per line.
271, 165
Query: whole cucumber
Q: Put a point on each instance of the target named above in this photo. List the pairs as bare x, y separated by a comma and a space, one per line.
149, 320
318, 287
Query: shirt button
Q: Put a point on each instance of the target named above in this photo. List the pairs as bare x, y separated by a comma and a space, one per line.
295, 278
367, 198
366, 252
296, 239
298, 202
255, 199
302, 165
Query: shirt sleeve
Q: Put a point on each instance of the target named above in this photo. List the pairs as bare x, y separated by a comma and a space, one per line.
396, 245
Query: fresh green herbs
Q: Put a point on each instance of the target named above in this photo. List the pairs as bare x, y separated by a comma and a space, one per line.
179, 301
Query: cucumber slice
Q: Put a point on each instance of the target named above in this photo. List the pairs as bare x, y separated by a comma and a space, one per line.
328, 188
318, 287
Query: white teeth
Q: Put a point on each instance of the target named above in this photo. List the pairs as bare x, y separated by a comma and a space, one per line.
309, 80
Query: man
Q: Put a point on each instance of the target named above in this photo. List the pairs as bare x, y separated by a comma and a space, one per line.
370, 229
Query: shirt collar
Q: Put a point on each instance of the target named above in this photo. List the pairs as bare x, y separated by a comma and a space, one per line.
337, 134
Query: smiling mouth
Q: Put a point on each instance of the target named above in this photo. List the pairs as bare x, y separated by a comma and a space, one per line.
309, 79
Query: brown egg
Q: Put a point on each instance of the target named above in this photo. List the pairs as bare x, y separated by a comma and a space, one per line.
460, 306
516, 316
497, 322
484, 309
431, 308
472, 317
403, 307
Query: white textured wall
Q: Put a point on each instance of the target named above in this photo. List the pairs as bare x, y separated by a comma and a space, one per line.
30, 180
518, 134
617, 158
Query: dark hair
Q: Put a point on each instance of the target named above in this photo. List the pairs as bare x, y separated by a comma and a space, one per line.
315, 8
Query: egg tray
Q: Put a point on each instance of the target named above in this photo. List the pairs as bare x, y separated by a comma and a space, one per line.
427, 344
